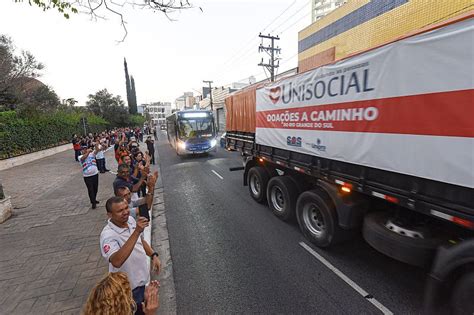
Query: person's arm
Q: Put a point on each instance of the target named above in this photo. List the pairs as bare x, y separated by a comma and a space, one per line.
147, 160
151, 188
96, 148
148, 250
119, 257
137, 186
135, 171
155, 261
152, 301
85, 155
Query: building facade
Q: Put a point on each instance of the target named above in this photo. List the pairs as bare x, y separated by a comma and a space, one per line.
185, 101
141, 109
320, 8
218, 104
158, 112
359, 25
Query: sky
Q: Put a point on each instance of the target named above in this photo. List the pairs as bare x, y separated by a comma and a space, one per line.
166, 58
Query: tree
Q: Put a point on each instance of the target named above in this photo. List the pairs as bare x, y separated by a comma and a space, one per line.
102, 8
109, 107
133, 97
15, 70
69, 101
42, 99
128, 87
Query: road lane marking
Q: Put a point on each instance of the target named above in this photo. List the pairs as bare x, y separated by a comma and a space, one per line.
347, 280
217, 174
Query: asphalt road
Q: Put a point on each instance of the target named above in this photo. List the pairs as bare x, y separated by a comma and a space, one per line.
232, 255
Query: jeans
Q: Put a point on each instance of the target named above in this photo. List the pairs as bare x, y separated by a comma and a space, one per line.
101, 165
139, 297
142, 190
92, 183
152, 155
77, 153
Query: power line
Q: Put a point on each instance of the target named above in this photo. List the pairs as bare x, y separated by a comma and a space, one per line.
248, 51
308, 2
223, 71
288, 59
299, 20
283, 12
246, 48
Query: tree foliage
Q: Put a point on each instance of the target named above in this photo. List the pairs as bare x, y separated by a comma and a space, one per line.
111, 108
102, 8
128, 86
15, 71
42, 99
133, 97
24, 135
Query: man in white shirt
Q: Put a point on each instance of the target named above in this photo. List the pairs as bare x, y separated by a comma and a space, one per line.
123, 245
90, 172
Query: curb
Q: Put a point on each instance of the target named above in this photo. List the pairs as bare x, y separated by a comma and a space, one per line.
161, 239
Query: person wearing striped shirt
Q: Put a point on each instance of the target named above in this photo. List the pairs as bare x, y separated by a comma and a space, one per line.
90, 172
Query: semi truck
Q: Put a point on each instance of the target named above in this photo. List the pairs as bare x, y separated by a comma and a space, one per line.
380, 142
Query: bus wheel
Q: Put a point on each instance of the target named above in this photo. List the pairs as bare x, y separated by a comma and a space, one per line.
282, 195
258, 180
317, 218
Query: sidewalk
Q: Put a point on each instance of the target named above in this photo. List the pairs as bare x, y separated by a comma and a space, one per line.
50, 256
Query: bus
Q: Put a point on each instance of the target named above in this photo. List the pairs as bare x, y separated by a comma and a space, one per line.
192, 132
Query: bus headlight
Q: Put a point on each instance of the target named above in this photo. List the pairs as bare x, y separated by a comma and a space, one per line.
182, 145
213, 143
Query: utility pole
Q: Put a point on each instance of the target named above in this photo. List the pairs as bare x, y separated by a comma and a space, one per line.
210, 92
271, 51
84, 125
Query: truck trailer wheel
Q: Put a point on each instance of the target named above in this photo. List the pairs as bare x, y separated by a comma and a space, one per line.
282, 195
403, 244
462, 301
317, 218
258, 180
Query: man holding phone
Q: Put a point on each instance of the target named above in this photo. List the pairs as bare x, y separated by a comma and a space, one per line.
123, 245
140, 206
90, 172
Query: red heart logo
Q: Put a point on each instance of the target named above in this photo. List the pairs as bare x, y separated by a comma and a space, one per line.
106, 248
275, 94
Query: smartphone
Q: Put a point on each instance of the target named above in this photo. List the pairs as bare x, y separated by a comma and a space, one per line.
143, 211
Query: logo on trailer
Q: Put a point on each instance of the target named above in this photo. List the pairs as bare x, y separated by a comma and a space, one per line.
293, 141
317, 146
275, 94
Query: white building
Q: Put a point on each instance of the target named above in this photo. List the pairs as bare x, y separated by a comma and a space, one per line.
185, 101
141, 109
320, 8
158, 112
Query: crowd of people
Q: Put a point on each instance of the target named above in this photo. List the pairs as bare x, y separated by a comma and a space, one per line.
89, 151
122, 242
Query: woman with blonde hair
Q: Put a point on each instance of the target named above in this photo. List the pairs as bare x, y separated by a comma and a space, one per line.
113, 296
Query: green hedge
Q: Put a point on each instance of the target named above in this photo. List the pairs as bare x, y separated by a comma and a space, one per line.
24, 135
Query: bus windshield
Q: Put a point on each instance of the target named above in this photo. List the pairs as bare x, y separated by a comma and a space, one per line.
195, 128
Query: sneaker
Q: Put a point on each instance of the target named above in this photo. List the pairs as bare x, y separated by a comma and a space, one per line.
97, 201
94, 206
